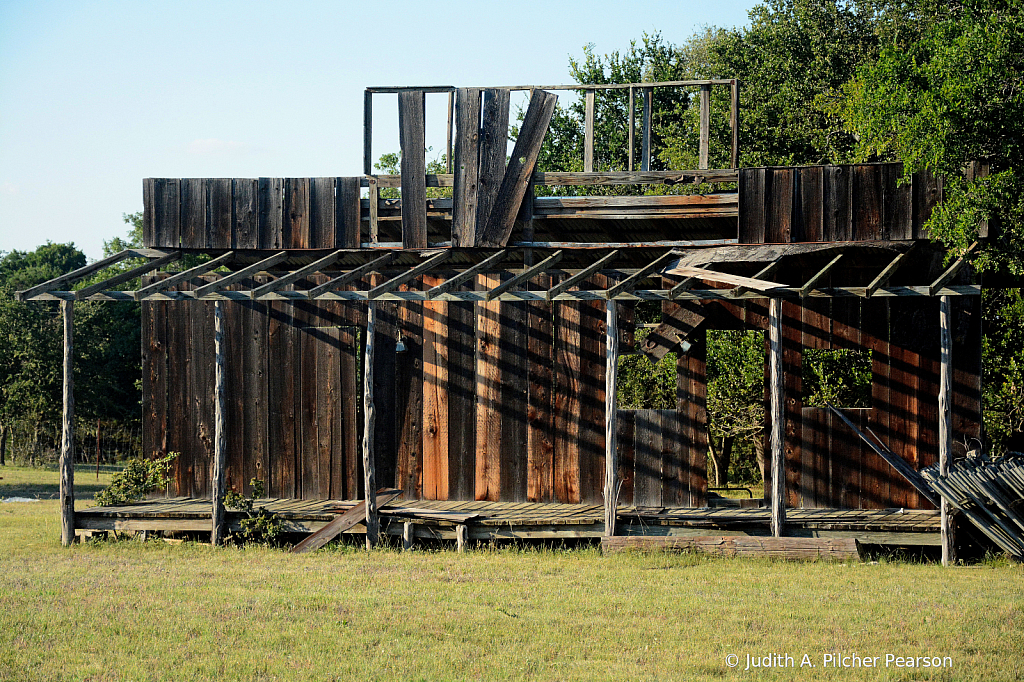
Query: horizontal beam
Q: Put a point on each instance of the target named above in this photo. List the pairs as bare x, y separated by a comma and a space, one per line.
184, 276
504, 295
239, 275
126, 276
291, 277
569, 179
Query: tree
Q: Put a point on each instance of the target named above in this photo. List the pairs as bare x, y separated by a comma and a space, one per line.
735, 402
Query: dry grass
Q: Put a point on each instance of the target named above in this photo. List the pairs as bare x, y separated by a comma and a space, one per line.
152, 611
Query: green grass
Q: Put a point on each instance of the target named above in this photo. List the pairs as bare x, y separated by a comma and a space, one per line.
43, 484
152, 611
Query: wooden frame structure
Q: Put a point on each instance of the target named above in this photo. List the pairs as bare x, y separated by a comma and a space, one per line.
539, 292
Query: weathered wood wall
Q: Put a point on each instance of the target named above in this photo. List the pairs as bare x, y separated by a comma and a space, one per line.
860, 202
497, 401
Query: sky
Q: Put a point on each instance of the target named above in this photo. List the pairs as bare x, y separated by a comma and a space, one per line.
97, 96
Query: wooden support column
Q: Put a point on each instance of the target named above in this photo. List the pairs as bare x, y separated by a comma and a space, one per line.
734, 123
408, 531
369, 417
67, 441
945, 420
588, 131
704, 145
778, 443
632, 126
461, 537
219, 532
645, 123
611, 464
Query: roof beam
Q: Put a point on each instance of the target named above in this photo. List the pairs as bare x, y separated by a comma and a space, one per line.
950, 272
351, 276
812, 283
239, 275
682, 286
766, 271
410, 274
581, 275
890, 269
282, 282
184, 276
445, 287
126, 275
524, 276
643, 273
73, 276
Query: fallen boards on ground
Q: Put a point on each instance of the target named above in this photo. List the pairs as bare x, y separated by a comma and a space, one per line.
342, 523
794, 549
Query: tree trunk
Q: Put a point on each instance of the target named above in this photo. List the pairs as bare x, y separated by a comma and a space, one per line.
3, 445
720, 459
759, 453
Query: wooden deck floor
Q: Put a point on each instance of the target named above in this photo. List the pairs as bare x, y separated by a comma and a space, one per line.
499, 520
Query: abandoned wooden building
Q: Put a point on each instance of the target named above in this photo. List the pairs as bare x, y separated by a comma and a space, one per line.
463, 348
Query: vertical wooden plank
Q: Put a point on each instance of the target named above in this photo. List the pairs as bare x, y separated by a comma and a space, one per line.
926, 191
201, 379
467, 166
451, 125
307, 463
252, 400
295, 233
781, 198
645, 144
193, 213
178, 438
282, 347
345, 483
704, 144
154, 377
611, 417
166, 211
488, 392
838, 208
691, 407
246, 210
348, 214
875, 473
945, 419
540, 438
435, 396
867, 202
808, 219
67, 439
513, 354
632, 127
217, 491
367, 132
777, 411
221, 213
271, 213
566, 384
411, 138
792, 355
812, 483
493, 151
322, 214
734, 122
647, 481
385, 389
373, 197
627, 456
591, 395
409, 398
234, 347
588, 131
461, 335
752, 197
149, 233
897, 206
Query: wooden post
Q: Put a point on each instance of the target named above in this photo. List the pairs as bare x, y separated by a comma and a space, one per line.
777, 416
369, 417
367, 132
3, 445
611, 464
407, 533
219, 532
461, 537
67, 441
632, 126
945, 425
451, 124
373, 195
645, 141
588, 132
97, 450
734, 123
705, 126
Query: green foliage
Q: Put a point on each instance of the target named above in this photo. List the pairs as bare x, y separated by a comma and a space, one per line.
1003, 369
644, 385
839, 377
391, 164
735, 403
260, 526
139, 478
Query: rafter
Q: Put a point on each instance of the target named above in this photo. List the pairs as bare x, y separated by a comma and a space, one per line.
111, 282
951, 272
812, 283
643, 273
465, 276
351, 276
581, 275
525, 276
239, 275
73, 276
183, 276
890, 269
291, 277
408, 275
766, 271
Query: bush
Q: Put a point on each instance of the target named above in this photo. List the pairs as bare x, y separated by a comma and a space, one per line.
139, 478
260, 527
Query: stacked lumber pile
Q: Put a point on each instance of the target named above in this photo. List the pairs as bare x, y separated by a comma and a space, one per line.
988, 492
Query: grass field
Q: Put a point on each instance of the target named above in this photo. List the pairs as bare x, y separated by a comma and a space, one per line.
130, 610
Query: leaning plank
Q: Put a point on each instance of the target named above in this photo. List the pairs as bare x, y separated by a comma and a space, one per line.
520, 169
343, 522
678, 325
725, 278
792, 549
